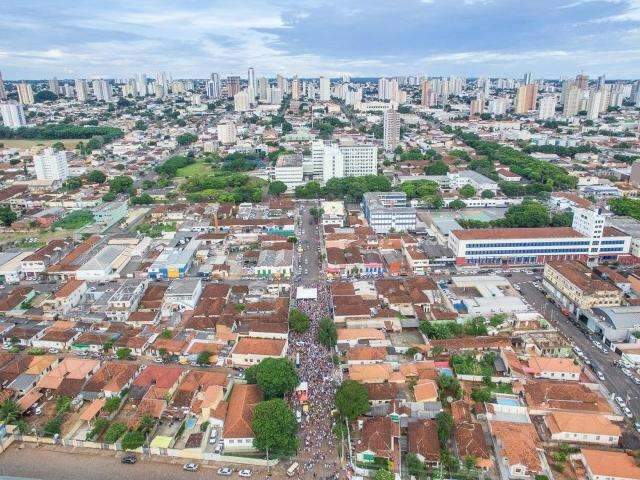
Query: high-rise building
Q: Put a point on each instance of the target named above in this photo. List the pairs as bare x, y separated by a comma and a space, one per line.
252, 88
383, 88
391, 129
601, 81
477, 106
101, 90
498, 106
54, 86
276, 96
344, 160
25, 94
241, 101
572, 102
233, 86
227, 134
81, 90
527, 78
582, 81
263, 90
212, 87
3, 92
51, 165
69, 91
141, 84
526, 98
295, 89
593, 107
325, 89
12, 114
425, 94
547, 108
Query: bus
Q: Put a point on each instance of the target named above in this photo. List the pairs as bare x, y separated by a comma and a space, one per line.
292, 469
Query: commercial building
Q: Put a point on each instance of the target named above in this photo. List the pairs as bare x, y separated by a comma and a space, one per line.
12, 114
174, 261
51, 165
343, 160
288, 169
586, 239
389, 211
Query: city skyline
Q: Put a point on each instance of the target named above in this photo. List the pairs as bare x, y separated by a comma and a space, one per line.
312, 38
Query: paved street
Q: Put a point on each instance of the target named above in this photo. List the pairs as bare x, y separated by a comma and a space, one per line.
309, 240
614, 380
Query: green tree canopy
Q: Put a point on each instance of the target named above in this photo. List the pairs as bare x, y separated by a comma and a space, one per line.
298, 321
275, 428
352, 399
96, 176
277, 188
132, 440
383, 474
467, 191
327, 333
186, 138
276, 376
7, 216
121, 184
437, 168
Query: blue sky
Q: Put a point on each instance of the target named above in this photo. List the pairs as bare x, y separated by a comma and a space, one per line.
188, 38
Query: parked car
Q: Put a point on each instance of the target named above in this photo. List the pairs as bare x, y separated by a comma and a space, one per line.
225, 471
627, 412
190, 467
218, 449
214, 437
600, 375
245, 472
637, 426
129, 459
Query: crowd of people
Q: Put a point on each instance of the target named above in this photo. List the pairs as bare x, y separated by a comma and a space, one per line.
318, 448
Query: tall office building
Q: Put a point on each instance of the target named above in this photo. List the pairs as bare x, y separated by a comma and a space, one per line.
325, 89
101, 90
51, 165
547, 108
391, 130
526, 98
295, 88
12, 114
251, 84
425, 94
233, 86
25, 94
54, 85
81, 90
3, 92
572, 102
213, 86
241, 101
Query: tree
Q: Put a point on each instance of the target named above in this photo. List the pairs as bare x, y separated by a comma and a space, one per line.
487, 194
96, 176
121, 184
72, 183
457, 204
9, 411
352, 399
203, 358
123, 353
414, 466
437, 168
186, 138
383, 474
7, 216
275, 428
467, 191
298, 321
58, 146
114, 432
445, 425
327, 333
277, 188
144, 199
52, 427
276, 376
109, 197
132, 440
45, 96
111, 404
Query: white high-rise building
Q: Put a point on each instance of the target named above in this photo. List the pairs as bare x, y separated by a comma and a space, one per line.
572, 102
54, 86
593, 107
227, 134
345, 160
213, 86
276, 96
25, 94
141, 84
3, 92
69, 91
102, 90
241, 101
252, 88
81, 90
391, 129
51, 165
325, 89
547, 107
12, 114
295, 89
498, 106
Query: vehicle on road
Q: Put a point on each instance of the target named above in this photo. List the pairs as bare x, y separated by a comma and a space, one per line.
637, 426
600, 375
129, 459
245, 472
627, 412
191, 467
292, 469
225, 471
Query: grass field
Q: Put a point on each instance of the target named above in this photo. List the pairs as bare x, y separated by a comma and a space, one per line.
69, 144
195, 169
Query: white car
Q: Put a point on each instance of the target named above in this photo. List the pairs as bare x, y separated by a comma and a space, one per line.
225, 471
627, 412
214, 437
600, 375
244, 473
190, 467
54, 350
218, 449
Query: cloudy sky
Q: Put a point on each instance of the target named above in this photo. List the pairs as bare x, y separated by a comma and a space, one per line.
191, 38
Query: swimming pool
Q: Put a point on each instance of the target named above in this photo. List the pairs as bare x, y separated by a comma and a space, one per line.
190, 422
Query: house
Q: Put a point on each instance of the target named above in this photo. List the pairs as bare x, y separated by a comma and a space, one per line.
378, 442
65, 298
609, 465
425, 391
110, 379
423, 441
554, 368
69, 376
237, 434
582, 427
125, 300
518, 450
59, 336
251, 351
